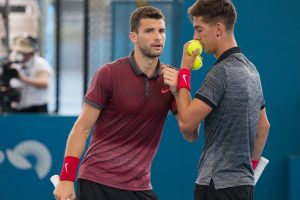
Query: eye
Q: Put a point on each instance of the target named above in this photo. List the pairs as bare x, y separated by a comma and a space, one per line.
162, 30
148, 30
199, 30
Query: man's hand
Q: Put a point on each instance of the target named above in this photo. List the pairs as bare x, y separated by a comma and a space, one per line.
170, 76
187, 60
64, 191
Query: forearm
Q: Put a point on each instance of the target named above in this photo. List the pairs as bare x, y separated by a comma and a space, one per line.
260, 141
36, 82
190, 132
77, 141
190, 136
261, 135
183, 101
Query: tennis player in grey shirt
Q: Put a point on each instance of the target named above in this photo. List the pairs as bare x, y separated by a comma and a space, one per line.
231, 103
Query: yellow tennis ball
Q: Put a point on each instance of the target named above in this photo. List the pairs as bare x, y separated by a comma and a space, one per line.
197, 63
193, 45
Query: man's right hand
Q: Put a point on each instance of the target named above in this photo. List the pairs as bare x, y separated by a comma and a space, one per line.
170, 76
187, 61
64, 191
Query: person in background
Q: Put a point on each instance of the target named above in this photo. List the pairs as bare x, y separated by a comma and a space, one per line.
34, 75
230, 101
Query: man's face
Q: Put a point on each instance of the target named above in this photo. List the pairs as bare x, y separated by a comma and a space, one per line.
205, 33
151, 36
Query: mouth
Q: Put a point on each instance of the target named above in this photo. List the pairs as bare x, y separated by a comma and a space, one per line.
157, 46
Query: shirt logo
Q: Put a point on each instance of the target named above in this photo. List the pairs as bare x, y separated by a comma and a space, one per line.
165, 90
66, 167
183, 76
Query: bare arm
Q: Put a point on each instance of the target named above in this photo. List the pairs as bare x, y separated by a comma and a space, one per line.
190, 136
170, 76
190, 112
80, 131
40, 81
261, 135
75, 146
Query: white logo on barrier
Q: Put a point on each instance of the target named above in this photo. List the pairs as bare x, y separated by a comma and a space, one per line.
18, 157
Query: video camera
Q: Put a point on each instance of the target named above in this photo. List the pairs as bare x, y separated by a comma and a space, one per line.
8, 94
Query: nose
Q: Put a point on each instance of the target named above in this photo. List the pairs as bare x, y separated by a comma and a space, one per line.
159, 35
196, 36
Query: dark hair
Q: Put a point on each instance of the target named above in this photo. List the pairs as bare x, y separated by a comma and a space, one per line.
146, 12
213, 11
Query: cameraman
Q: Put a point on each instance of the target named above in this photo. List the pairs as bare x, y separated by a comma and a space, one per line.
34, 74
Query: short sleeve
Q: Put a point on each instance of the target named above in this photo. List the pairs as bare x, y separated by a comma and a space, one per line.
213, 88
42, 65
99, 91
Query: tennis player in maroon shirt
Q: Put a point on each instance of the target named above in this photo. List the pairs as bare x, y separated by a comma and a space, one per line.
126, 107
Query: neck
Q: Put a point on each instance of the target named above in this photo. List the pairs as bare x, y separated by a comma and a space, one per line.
146, 64
225, 44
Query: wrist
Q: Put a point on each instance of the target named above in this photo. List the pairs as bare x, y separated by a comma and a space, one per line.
184, 79
69, 168
174, 91
254, 163
182, 67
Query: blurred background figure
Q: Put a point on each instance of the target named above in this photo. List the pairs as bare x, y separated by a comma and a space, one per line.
34, 75
2, 35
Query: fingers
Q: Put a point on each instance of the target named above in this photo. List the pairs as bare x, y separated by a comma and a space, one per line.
64, 196
168, 69
185, 48
170, 78
187, 61
70, 197
168, 82
169, 74
196, 52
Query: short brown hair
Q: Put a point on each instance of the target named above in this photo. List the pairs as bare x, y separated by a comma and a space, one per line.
146, 12
214, 10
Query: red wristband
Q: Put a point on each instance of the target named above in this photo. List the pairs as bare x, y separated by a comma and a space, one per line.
69, 168
254, 163
184, 79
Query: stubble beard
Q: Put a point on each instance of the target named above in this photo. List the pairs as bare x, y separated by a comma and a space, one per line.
147, 52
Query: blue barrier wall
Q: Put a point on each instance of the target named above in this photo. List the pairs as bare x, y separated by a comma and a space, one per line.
32, 149
294, 177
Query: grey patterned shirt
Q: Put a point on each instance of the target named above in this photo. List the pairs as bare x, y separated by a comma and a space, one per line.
233, 89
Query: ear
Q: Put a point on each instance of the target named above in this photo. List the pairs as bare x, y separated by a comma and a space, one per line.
133, 37
219, 29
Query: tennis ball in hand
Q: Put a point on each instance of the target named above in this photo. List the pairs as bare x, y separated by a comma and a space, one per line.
193, 45
197, 63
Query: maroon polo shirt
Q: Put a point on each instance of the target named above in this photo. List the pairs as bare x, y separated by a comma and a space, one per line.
127, 133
